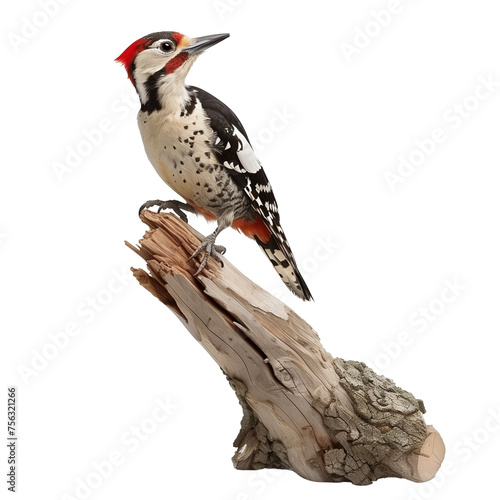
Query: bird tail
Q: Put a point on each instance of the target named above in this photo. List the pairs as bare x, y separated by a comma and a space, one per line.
273, 242
278, 251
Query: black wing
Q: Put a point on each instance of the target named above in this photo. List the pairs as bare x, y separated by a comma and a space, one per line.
234, 151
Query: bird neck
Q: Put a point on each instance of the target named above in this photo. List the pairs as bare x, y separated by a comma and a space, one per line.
162, 92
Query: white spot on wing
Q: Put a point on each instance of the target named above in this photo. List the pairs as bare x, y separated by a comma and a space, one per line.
246, 154
248, 190
263, 188
232, 166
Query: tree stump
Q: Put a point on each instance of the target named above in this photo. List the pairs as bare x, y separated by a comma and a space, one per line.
324, 418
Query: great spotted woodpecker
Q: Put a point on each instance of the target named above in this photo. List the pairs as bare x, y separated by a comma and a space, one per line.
200, 149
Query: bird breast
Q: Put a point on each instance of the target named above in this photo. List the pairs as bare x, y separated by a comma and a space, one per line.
180, 147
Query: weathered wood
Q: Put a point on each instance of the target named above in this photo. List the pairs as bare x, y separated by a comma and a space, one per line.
325, 418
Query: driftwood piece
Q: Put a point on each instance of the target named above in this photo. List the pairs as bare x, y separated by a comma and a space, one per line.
324, 418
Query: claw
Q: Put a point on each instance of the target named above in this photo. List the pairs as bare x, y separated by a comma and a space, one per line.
148, 204
211, 250
176, 206
181, 214
220, 249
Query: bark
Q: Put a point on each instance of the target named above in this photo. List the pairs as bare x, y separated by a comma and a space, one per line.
324, 418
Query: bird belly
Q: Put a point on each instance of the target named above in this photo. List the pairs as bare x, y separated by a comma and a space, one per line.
184, 159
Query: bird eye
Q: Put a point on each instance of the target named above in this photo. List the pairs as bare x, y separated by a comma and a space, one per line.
167, 46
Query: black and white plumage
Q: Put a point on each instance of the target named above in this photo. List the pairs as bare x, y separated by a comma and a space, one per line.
200, 149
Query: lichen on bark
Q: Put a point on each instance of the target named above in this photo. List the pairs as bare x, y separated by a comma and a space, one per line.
387, 422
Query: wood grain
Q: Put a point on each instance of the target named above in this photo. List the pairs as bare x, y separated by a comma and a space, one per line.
324, 418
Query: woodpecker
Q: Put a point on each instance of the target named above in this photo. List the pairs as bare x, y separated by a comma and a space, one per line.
199, 148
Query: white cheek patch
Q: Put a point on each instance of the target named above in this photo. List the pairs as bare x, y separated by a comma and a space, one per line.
146, 64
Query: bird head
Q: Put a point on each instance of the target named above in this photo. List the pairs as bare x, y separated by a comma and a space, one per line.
163, 59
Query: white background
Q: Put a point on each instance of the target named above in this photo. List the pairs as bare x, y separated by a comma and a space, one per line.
389, 253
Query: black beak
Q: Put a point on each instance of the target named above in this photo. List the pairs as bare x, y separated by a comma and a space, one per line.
204, 42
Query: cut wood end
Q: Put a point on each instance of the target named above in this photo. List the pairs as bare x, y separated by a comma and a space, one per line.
430, 456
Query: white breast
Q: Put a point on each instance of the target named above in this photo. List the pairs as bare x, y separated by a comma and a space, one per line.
176, 146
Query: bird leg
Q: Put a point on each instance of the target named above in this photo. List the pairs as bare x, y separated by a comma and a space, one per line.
208, 244
176, 206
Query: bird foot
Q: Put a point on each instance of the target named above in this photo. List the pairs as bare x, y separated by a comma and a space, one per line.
176, 206
211, 249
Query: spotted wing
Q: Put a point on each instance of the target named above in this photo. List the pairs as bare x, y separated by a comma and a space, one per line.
234, 151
